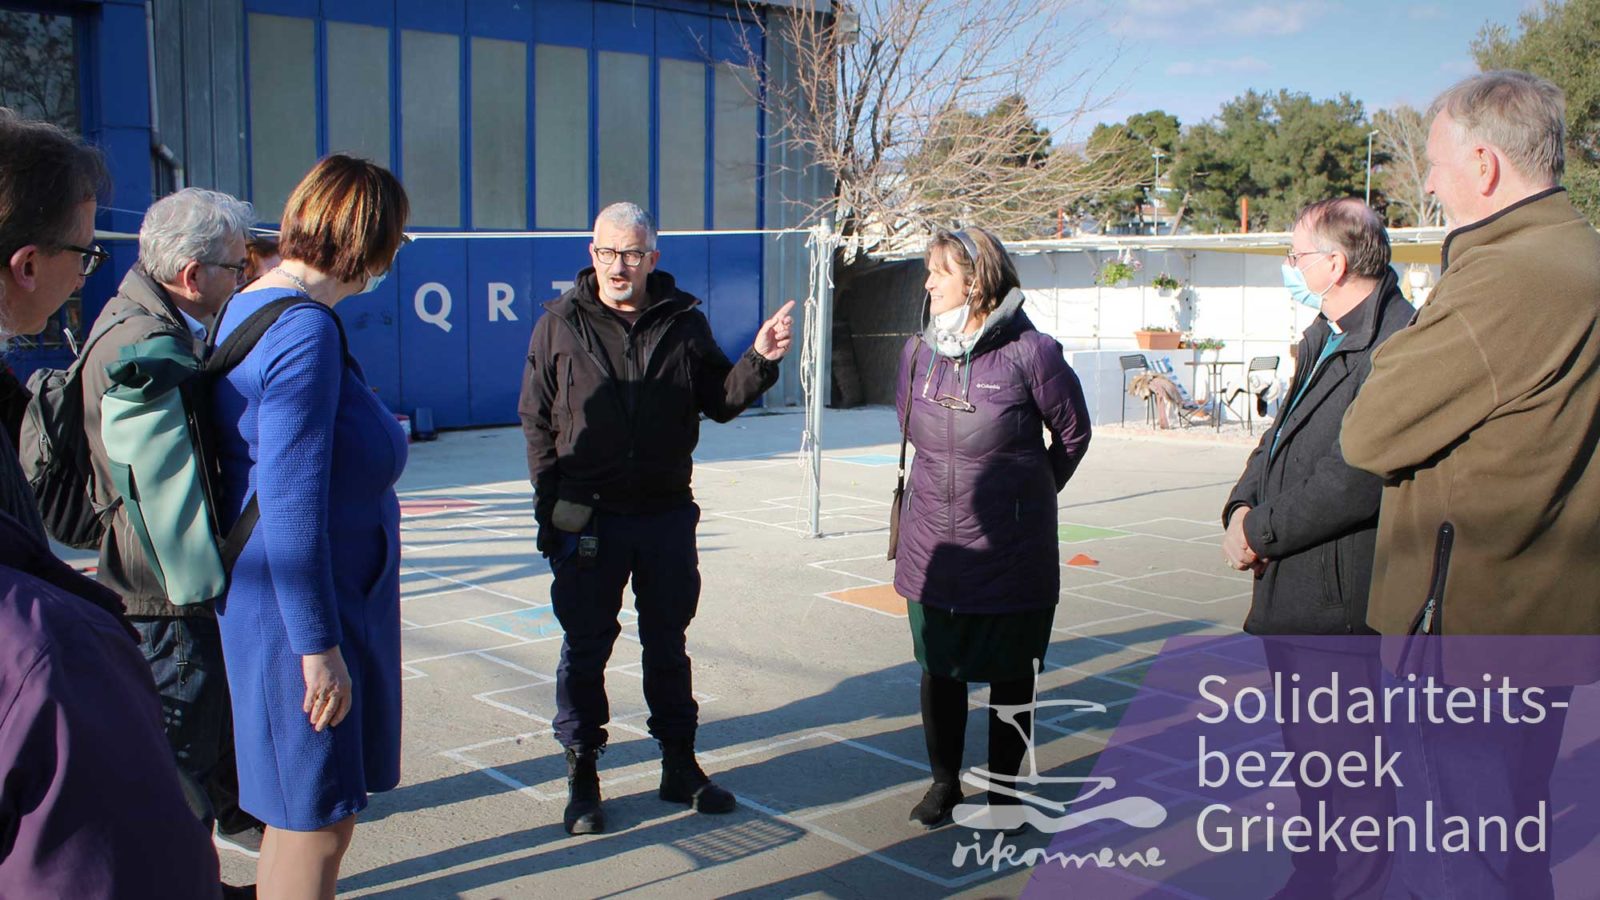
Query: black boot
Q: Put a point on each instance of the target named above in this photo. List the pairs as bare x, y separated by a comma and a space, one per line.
682, 780
583, 814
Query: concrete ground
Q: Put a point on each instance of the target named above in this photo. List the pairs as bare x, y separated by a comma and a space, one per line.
803, 669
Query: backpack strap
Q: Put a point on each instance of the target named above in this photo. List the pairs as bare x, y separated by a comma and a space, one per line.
224, 358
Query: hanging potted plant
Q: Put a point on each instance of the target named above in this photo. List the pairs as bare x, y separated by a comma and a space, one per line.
1165, 284
1157, 337
1117, 273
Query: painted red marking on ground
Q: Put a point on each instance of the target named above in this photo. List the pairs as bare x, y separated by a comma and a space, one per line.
435, 505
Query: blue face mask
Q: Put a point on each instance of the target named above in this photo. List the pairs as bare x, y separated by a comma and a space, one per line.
373, 282
1295, 281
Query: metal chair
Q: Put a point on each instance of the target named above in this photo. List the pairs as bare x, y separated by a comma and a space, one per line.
1135, 362
1257, 364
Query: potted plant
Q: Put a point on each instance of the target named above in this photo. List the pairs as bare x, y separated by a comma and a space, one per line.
1165, 284
1157, 337
1212, 345
1117, 272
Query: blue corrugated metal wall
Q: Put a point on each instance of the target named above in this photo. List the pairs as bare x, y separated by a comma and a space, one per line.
449, 331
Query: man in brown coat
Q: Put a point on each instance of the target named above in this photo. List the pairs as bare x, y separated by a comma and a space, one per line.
1483, 417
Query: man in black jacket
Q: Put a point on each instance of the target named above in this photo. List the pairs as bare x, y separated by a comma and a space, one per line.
619, 370
1305, 522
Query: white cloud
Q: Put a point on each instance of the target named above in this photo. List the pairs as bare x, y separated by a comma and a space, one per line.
1190, 68
1186, 20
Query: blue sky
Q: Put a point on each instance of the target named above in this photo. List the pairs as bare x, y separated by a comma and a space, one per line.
1188, 57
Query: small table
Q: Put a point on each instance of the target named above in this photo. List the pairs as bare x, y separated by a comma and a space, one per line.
1214, 384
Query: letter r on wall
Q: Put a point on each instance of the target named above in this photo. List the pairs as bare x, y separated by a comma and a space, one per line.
500, 297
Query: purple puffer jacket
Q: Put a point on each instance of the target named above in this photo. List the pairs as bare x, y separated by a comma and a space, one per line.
978, 528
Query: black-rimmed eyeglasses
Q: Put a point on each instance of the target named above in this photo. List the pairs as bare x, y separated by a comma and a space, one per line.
630, 258
238, 269
93, 258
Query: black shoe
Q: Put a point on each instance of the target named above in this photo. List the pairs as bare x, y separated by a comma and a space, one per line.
934, 810
997, 800
583, 814
683, 781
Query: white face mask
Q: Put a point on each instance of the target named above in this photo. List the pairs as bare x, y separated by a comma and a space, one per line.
949, 330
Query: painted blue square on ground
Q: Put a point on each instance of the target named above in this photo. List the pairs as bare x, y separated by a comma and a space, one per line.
537, 622
868, 459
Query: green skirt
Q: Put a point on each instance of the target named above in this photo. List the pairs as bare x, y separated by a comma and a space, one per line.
977, 646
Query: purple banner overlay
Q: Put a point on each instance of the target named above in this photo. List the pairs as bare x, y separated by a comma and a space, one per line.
1313, 767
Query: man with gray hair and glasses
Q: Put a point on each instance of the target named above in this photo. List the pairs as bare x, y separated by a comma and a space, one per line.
619, 370
191, 257
1483, 419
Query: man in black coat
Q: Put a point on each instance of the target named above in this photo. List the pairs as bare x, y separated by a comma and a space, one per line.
1305, 522
619, 370
1300, 517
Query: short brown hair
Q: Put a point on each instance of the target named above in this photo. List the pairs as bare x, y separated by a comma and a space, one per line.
1522, 115
1351, 227
991, 275
346, 219
45, 173
258, 248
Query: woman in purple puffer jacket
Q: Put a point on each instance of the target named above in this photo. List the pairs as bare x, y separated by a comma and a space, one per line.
978, 557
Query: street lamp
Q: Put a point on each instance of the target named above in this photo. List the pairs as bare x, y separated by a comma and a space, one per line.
1155, 188
1370, 135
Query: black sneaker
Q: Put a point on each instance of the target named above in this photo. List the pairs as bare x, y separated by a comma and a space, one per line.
934, 808
246, 842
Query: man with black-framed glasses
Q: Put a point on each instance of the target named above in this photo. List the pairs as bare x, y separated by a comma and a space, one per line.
92, 798
619, 370
191, 257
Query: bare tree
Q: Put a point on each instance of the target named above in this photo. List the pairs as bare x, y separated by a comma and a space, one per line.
1403, 136
932, 113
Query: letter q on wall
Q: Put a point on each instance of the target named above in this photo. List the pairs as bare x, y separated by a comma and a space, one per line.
440, 317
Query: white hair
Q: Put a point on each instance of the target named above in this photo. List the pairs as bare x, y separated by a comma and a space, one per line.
191, 225
630, 215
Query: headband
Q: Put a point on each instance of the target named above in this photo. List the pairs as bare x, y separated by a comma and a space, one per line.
966, 241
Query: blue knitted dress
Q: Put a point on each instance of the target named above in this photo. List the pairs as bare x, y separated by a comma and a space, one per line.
300, 428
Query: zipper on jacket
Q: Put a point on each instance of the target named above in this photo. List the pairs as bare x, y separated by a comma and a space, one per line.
1430, 620
950, 439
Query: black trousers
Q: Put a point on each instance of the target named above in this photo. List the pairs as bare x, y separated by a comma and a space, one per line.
658, 552
944, 726
185, 657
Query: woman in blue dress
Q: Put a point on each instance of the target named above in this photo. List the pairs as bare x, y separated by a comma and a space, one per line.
311, 623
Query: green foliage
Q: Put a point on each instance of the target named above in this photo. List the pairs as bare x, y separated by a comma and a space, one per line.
1209, 344
1165, 282
1116, 272
1560, 41
1127, 147
1281, 150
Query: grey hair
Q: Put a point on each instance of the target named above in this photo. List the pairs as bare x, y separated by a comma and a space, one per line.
630, 215
193, 224
1522, 115
1348, 225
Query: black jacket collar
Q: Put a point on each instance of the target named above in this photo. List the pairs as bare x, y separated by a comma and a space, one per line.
1360, 325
